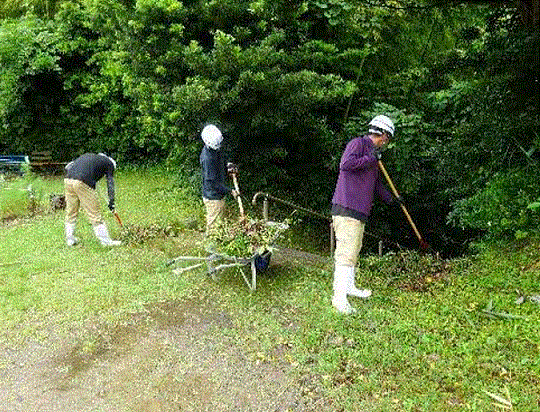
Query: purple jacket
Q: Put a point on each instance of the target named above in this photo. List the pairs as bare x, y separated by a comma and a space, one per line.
358, 179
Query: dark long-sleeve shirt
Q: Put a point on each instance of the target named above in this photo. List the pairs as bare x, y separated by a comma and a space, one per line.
91, 167
214, 171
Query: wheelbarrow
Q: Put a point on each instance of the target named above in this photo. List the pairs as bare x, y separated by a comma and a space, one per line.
215, 262
249, 267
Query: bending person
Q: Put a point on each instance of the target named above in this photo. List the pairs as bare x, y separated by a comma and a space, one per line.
82, 174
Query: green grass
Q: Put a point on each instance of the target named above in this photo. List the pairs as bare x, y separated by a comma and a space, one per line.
421, 343
19, 196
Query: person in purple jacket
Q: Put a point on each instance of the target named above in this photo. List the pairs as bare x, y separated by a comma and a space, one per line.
357, 185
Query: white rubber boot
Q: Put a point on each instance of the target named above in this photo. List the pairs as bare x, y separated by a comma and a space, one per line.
352, 289
339, 300
71, 240
103, 236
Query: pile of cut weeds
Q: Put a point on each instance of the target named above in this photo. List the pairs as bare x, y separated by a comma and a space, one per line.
138, 234
409, 270
244, 237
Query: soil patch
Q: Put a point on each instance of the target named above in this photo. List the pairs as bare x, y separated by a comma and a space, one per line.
293, 256
173, 356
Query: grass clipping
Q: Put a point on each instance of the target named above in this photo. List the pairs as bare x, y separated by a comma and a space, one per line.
245, 237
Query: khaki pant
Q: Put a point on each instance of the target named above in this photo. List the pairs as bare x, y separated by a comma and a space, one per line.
349, 234
80, 194
214, 211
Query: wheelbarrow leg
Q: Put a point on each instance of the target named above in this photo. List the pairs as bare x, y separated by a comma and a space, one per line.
253, 285
210, 267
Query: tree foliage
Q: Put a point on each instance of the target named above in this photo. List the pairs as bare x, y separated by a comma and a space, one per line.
289, 83
491, 117
29, 78
15, 8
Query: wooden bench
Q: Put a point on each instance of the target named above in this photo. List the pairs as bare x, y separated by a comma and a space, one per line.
13, 164
42, 161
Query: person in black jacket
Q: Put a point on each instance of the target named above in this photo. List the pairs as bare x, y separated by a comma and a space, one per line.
82, 174
214, 170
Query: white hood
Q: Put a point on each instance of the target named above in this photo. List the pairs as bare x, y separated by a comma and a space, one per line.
212, 137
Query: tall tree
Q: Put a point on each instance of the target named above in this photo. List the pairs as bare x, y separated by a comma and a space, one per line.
15, 8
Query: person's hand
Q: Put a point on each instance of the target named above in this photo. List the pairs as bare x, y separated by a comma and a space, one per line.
111, 205
232, 168
377, 154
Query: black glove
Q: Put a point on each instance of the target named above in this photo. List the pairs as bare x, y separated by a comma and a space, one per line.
377, 154
111, 205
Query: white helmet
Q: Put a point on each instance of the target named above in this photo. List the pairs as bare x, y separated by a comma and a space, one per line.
380, 124
212, 136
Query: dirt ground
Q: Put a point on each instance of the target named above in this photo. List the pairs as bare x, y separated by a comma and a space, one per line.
173, 356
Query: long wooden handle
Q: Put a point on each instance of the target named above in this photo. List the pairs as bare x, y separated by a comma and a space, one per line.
114, 212
240, 205
118, 218
396, 194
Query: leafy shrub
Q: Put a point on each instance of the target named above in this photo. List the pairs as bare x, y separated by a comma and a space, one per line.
507, 205
29, 69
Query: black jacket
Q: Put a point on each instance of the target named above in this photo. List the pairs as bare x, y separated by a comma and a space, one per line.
214, 170
91, 167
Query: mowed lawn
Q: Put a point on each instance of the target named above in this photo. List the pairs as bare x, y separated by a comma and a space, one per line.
436, 336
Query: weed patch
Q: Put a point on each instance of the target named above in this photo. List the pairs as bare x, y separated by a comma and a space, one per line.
408, 270
20, 197
136, 234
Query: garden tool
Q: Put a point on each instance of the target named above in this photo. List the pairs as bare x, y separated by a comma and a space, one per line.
238, 198
423, 244
117, 218
113, 211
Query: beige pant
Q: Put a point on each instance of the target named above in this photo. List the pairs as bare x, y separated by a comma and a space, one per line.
80, 194
214, 211
349, 233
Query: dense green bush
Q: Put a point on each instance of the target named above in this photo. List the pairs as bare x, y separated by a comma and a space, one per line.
507, 205
29, 70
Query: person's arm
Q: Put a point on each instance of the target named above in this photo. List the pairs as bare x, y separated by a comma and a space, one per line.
355, 158
110, 186
383, 193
